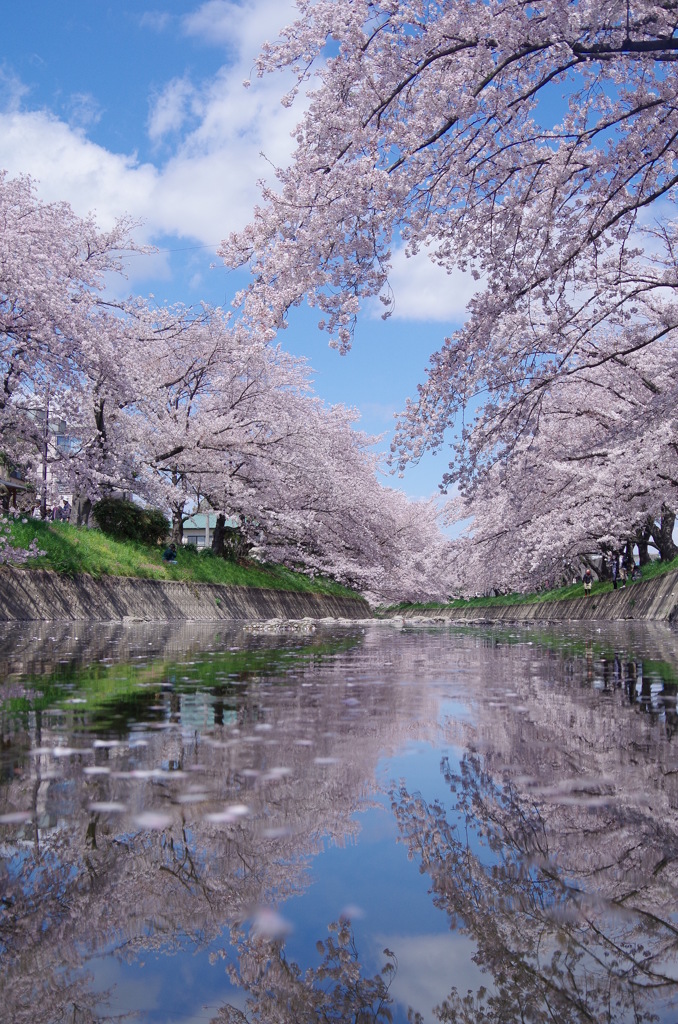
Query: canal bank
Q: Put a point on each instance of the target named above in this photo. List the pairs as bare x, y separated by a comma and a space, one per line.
37, 594
41, 595
654, 600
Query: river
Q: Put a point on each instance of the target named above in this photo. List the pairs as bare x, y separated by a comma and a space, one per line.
293, 824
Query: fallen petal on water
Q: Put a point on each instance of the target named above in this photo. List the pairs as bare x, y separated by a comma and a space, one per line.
228, 815
153, 820
239, 810
192, 798
277, 832
276, 773
15, 817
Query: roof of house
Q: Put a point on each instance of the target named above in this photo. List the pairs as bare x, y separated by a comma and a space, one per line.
197, 521
13, 482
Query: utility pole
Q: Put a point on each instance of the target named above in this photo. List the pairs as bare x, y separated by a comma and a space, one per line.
45, 444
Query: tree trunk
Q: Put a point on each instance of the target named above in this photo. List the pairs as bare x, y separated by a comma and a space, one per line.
80, 510
219, 535
642, 541
662, 535
630, 560
178, 524
607, 555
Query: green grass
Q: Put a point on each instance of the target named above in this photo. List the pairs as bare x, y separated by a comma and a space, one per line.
556, 594
111, 695
72, 550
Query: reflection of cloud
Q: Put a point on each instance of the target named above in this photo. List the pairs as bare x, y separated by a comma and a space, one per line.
133, 991
424, 291
428, 968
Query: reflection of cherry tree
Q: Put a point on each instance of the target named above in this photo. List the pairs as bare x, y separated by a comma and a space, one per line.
279, 993
167, 831
554, 951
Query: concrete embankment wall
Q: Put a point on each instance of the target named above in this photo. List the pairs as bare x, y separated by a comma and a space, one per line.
37, 594
652, 600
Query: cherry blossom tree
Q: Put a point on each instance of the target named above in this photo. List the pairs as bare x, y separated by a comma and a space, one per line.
328, 511
186, 408
594, 477
533, 147
59, 339
208, 402
230, 421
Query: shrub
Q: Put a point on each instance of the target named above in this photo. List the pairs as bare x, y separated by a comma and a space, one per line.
157, 525
126, 521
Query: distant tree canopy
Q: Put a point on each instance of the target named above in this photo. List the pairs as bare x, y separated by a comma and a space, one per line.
184, 408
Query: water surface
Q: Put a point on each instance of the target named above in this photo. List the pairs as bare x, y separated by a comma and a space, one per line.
338, 823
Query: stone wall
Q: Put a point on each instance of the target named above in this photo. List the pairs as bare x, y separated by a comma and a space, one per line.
652, 600
37, 594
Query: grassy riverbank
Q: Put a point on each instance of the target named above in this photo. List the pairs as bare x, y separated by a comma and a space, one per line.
556, 594
72, 550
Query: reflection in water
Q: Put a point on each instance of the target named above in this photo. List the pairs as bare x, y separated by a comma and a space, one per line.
555, 948
337, 990
169, 797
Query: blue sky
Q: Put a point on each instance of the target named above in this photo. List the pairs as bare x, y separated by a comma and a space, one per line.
138, 108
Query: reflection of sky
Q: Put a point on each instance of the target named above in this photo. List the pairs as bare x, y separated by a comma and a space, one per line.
371, 880
375, 878
165, 990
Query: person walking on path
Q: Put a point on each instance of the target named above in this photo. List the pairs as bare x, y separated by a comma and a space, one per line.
588, 582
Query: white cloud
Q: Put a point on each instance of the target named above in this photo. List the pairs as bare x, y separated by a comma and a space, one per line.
83, 110
426, 292
207, 186
204, 191
238, 26
12, 89
69, 167
171, 108
215, 22
157, 21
